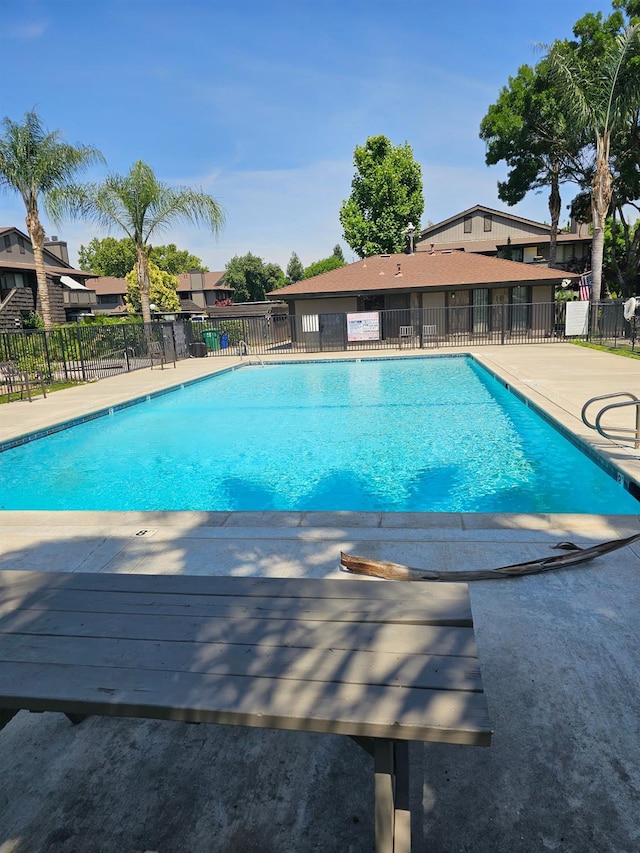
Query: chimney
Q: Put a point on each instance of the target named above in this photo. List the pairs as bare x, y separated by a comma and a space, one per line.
58, 248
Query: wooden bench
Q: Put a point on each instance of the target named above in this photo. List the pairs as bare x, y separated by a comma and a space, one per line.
382, 662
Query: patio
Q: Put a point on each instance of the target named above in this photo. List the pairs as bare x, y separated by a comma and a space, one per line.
558, 652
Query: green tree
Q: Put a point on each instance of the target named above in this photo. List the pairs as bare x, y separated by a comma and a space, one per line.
386, 195
527, 128
295, 270
139, 205
108, 256
118, 257
252, 278
621, 260
174, 260
338, 253
598, 78
162, 290
324, 265
34, 163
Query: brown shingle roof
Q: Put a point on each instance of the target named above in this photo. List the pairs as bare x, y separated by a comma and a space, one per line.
50, 268
419, 271
108, 284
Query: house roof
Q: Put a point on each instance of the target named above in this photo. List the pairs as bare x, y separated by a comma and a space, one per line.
480, 208
419, 271
189, 306
108, 284
50, 268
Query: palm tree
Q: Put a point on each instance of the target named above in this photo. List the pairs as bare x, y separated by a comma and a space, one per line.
601, 97
34, 163
138, 205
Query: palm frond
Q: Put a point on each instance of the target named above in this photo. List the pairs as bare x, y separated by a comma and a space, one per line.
33, 162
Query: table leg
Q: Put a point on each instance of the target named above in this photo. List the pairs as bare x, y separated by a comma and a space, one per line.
391, 788
402, 819
6, 714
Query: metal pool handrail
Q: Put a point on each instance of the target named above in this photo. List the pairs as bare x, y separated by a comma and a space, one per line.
623, 433
243, 350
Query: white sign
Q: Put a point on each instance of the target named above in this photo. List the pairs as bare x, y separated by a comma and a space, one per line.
577, 318
364, 326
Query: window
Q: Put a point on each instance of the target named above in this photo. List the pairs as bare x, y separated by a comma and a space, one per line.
480, 311
373, 303
7, 243
21, 245
520, 299
488, 222
467, 224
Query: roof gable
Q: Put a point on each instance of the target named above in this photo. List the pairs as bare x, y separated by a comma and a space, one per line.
50, 259
484, 211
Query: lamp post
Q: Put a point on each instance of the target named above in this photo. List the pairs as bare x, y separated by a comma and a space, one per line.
410, 231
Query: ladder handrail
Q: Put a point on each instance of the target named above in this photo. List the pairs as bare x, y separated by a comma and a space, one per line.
604, 397
244, 348
626, 430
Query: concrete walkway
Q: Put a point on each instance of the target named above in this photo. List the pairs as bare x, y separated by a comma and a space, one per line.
559, 655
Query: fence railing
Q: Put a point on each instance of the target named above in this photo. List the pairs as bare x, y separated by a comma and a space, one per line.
83, 353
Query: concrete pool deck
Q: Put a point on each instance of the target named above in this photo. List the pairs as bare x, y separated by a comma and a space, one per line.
560, 657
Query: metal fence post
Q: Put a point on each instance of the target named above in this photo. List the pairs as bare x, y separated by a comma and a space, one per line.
80, 353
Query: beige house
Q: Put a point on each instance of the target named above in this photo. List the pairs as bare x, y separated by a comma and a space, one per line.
445, 292
499, 234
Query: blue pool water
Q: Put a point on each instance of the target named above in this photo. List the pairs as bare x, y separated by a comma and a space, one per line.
436, 434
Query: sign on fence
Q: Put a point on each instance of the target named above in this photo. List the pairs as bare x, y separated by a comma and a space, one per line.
577, 318
363, 326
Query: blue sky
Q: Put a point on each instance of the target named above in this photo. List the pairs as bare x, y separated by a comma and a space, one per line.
262, 102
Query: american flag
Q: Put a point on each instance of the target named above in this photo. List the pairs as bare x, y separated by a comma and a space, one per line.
585, 287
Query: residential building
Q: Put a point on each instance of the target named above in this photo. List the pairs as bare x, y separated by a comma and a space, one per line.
198, 292
496, 233
69, 295
481, 293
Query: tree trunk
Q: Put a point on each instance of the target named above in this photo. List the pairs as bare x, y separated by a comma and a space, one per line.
142, 274
36, 233
554, 210
601, 187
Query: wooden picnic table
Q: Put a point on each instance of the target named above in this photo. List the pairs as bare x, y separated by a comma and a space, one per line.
383, 662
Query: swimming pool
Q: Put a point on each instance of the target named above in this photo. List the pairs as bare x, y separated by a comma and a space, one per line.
393, 435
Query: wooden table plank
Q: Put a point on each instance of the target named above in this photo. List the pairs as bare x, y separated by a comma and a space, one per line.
365, 710
408, 639
426, 612
355, 667
349, 587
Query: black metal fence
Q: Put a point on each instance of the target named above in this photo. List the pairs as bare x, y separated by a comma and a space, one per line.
83, 353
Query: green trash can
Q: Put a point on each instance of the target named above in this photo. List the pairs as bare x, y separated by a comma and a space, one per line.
211, 338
